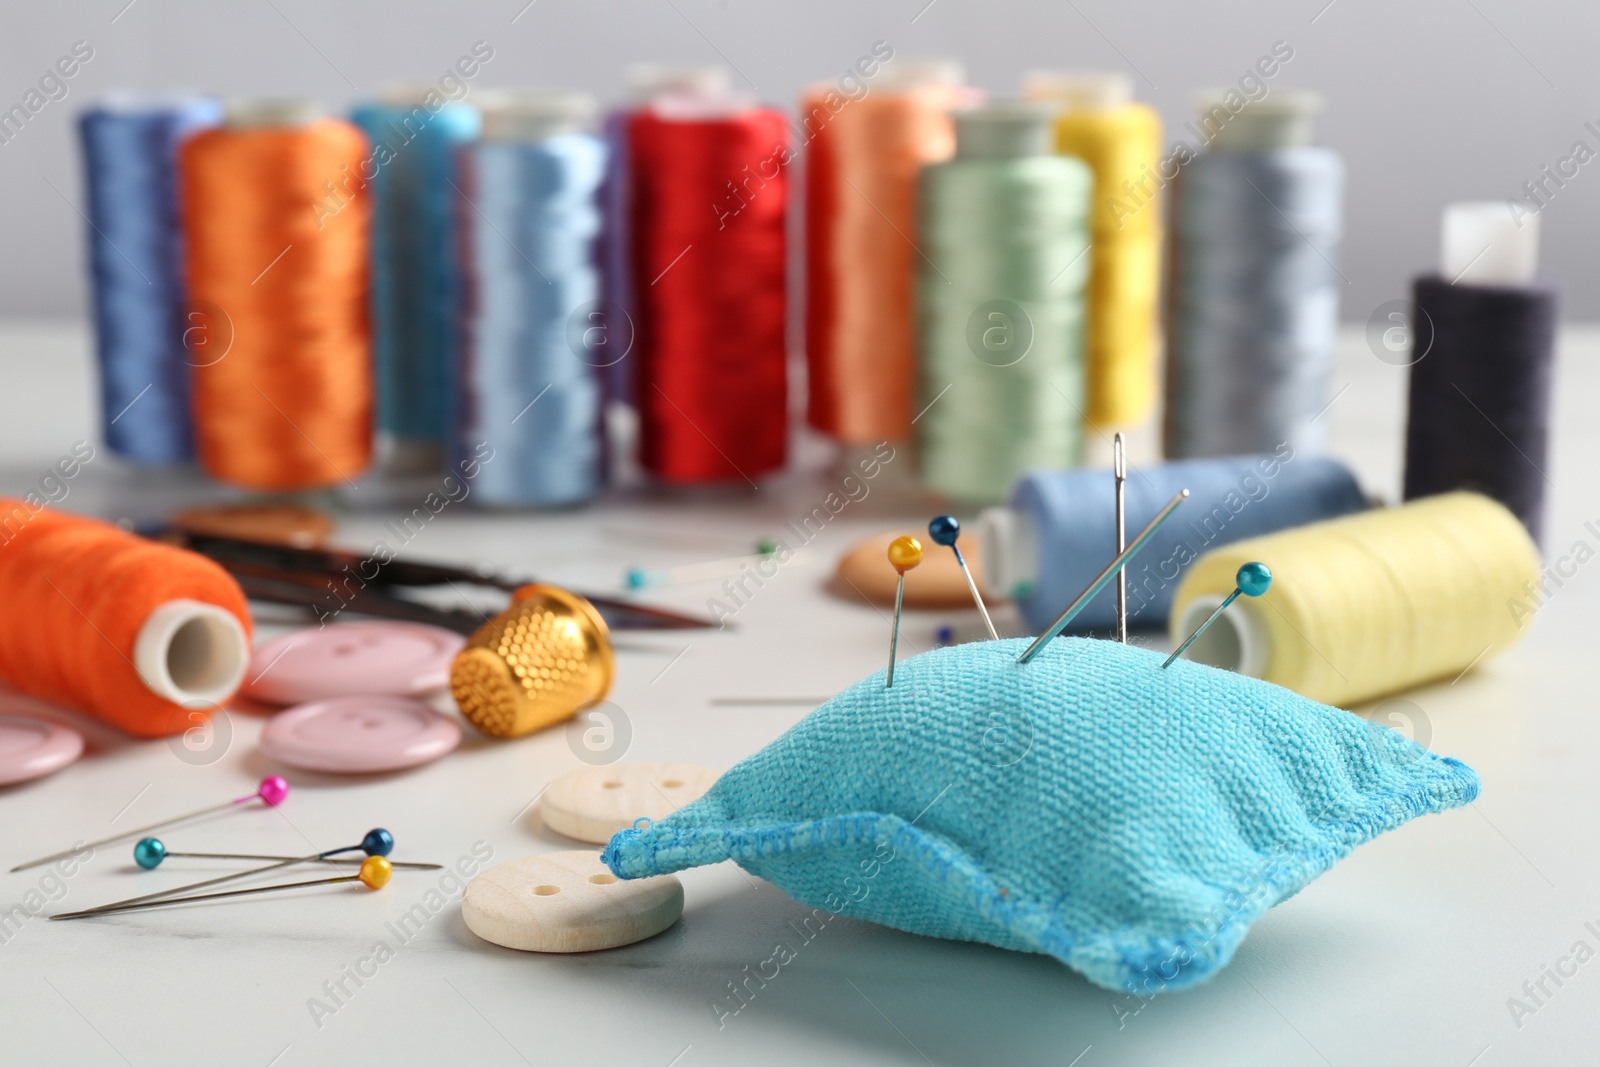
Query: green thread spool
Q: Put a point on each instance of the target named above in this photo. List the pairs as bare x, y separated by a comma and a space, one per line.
1005, 241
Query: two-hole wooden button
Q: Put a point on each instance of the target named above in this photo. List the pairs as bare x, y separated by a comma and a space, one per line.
596, 802
568, 902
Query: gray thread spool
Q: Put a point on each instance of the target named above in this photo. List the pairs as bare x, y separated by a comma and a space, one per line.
1255, 286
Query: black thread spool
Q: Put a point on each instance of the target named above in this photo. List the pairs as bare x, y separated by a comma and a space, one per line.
1484, 348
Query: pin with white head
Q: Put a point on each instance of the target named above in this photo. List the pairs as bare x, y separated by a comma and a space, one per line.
904, 554
1119, 474
1253, 580
944, 530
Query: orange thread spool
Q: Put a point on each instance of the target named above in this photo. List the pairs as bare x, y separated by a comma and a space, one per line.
275, 214
98, 620
861, 220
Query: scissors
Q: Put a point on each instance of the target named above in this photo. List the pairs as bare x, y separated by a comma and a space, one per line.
284, 574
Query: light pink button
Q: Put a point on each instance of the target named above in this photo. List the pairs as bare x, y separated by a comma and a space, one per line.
352, 659
359, 735
33, 748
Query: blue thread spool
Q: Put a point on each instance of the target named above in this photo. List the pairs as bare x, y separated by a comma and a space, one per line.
528, 385
1060, 527
141, 313
415, 284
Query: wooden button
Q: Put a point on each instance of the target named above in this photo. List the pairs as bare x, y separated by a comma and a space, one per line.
596, 802
567, 902
937, 583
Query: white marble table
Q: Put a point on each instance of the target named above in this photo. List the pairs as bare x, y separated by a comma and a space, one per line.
1405, 953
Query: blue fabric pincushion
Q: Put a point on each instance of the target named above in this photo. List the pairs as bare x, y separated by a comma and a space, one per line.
1130, 821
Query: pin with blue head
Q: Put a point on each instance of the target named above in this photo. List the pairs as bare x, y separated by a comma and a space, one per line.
945, 529
1252, 580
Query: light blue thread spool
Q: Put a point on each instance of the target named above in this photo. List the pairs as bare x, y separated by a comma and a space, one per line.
1060, 528
528, 386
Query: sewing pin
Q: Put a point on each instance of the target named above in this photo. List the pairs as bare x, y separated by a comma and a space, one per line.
1252, 580
904, 553
1119, 472
638, 578
151, 851
377, 843
374, 874
1104, 577
271, 791
944, 530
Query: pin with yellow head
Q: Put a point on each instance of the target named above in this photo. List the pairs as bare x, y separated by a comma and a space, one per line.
904, 554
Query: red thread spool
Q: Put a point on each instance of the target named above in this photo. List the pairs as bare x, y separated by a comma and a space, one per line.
709, 196
861, 219
275, 214
139, 634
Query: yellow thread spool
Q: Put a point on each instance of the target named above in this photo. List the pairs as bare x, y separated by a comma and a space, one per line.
1368, 604
1121, 142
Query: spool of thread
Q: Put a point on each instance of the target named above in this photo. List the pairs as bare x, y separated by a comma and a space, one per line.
709, 288
279, 248
646, 81
415, 283
1060, 528
139, 634
1368, 604
529, 222
1001, 301
1120, 140
1255, 287
1482, 365
863, 159
141, 308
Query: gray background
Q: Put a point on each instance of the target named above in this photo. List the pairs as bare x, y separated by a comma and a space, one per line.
1429, 100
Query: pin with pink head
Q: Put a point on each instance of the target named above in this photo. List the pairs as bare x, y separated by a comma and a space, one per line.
272, 791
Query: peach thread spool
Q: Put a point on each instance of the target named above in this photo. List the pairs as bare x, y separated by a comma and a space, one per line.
139, 634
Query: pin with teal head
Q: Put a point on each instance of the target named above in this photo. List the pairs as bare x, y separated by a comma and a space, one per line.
944, 530
376, 842
150, 852
1253, 580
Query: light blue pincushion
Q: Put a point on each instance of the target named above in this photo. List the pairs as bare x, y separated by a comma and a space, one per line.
1128, 820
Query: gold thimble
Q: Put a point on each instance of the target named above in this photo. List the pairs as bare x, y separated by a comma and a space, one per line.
539, 662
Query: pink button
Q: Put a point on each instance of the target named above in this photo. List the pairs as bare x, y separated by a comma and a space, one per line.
352, 659
359, 735
33, 748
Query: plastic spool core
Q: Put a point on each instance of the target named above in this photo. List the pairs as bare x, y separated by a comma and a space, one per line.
534, 114
1282, 120
1011, 129
648, 80
915, 73
191, 653
256, 114
1010, 551
1236, 642
1482, 243
1074, 89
